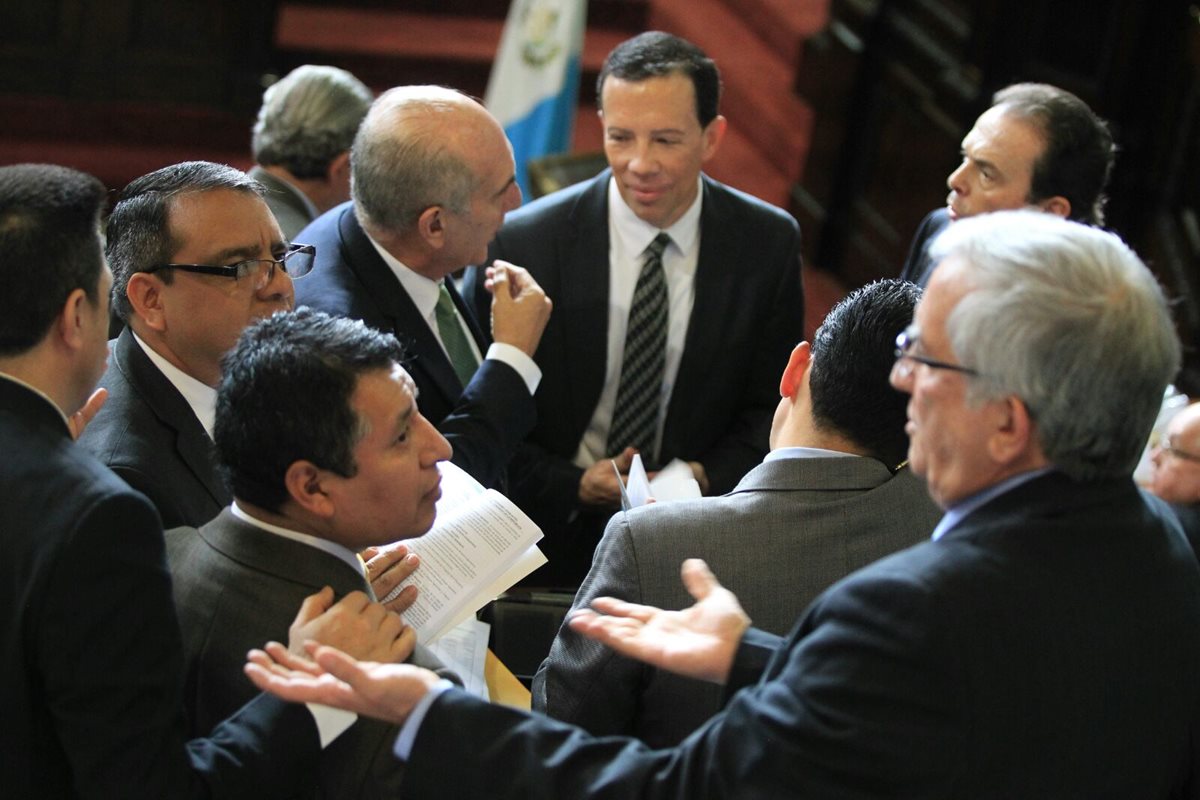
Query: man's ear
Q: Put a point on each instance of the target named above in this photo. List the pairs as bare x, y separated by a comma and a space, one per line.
145, 294
72, 322
793, 374
432, 226
713, 134
1014, 435
338, 169
1058, 205
306, 486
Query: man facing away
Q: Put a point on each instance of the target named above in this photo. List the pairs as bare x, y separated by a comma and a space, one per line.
352, 466
1045, 643
433, 177
678, 298
196, 256
302, 141
832, 496
1039, 147
92, 674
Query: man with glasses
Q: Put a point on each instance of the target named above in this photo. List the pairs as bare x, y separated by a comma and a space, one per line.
196, 257
1175, 467
1045, 642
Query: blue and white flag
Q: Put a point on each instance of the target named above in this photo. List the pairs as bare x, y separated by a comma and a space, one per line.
534, 87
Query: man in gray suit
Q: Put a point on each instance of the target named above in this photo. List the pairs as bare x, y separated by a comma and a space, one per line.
302, 141
352, 466
832, 496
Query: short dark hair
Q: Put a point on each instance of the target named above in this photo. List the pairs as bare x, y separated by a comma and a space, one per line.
1079, 153
655, 54
285, 397
49, 247
852, 356
139, 228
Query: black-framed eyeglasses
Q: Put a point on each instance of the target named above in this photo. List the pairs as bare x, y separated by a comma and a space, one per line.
906, 342
1164, 443
297, 262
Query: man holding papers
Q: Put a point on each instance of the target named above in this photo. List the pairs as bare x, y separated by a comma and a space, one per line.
319, 437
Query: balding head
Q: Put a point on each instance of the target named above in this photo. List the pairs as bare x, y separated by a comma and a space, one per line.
1176, 459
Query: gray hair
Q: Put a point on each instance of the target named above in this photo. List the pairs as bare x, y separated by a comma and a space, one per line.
308, 118
403, 160
1070, 320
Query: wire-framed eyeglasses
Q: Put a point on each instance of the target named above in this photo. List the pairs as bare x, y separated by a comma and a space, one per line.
906, 359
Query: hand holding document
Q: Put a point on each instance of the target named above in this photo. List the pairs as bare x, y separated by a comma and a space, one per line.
675, 481
479, 546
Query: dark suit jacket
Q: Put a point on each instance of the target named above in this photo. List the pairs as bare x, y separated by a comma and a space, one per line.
486, 421
237, 587
788, 530
91, 676
918, 266
748, 314
149, 435
1047, 647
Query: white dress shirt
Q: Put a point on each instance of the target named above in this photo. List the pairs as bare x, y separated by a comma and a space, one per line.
628, 238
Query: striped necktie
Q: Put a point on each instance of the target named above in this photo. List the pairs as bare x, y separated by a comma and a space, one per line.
635, 416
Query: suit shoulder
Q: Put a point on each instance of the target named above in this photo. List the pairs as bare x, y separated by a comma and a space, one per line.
729, 200
551, 209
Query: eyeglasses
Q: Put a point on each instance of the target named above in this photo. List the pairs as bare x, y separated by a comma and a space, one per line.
1164, 444
297, 262
906, 342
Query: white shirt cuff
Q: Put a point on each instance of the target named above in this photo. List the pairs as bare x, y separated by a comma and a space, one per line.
331, 722
412, 725
515, 358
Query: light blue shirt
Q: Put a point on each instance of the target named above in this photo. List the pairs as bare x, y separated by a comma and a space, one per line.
959, 511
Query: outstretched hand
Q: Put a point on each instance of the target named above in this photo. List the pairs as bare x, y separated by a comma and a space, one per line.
697, 642
384, 691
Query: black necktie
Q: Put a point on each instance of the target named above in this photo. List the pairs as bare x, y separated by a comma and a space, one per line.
635, 416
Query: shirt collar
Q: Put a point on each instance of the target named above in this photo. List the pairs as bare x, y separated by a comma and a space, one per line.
962, 509
333, 548
199, 396
637, 234
780, 453
423, 291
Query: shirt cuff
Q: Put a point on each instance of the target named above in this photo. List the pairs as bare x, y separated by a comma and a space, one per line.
412, 725
331, 722
515, 358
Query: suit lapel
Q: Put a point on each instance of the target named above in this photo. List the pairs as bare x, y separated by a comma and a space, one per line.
583, 302
424, 352
716, 300
192, 441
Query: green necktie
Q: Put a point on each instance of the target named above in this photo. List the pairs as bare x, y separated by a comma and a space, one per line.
453, 338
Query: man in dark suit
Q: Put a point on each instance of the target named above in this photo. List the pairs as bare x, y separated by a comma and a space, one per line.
732, 311
1038, 146
196, 256
433, 179
92, 672
308, 497
302, 141
1045, 643
832, 496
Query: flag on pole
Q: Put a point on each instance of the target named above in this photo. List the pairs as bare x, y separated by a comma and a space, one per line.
534, 86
